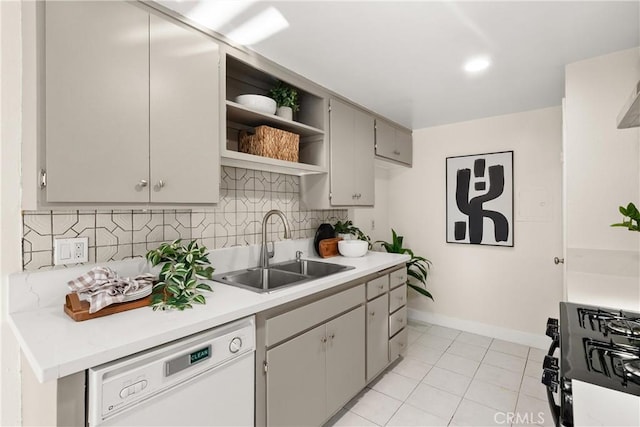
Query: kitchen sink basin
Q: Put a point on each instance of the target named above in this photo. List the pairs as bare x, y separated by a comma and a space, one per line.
310, 268
261, 279
277, 276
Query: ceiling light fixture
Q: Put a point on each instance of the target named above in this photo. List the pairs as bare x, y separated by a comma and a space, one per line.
260, 27
477, 64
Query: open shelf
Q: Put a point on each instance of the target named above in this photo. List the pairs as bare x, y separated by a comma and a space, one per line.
249, 161
249, 117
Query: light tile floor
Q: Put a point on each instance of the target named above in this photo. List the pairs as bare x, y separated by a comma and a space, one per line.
454, 378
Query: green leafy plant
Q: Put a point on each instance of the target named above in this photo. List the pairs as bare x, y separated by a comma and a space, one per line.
347, 227
417, 267
633, 214
285, 96
183, 267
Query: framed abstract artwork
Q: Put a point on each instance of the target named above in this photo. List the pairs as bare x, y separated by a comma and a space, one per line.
480, 199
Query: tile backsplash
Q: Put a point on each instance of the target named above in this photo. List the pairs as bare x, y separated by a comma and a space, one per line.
245, 197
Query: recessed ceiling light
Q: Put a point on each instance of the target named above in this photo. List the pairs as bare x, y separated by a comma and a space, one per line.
477, 64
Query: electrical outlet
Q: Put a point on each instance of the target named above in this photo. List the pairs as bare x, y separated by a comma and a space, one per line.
71, 251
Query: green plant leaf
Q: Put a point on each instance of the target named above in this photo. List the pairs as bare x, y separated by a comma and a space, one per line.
199, 299
421, 291
205, 287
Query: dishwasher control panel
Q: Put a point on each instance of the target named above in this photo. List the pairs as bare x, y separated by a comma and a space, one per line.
117, 385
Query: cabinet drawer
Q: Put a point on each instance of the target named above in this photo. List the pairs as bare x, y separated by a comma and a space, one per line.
288, 324
377, 287
397, 298
397, 278
397, 321
398, 345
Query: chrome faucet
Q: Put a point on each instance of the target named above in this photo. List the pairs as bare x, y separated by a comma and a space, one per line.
265, 254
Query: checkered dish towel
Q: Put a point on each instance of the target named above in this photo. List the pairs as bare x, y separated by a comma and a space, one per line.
102, 287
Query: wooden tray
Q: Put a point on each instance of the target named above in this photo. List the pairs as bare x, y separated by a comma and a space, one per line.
329, 247
79, 310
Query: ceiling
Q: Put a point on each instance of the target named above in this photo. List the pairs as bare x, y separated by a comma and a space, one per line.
404, 59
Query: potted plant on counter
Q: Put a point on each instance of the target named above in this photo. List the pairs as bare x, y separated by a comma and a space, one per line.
286, 99
179, 286
346, 230
633, 214
417, 266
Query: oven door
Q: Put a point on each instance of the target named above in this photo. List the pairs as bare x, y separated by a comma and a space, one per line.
552, 378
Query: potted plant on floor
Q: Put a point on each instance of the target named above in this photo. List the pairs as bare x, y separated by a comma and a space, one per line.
417, 267
286, 99
179, 287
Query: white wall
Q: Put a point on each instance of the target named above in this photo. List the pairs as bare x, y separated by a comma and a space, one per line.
10, 227
499, 291
602, 173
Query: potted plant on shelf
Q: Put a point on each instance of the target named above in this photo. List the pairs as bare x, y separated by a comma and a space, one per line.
346, 230
417, 266
179, 286
286, 99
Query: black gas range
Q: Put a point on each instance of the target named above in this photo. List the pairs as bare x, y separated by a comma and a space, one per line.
597, 345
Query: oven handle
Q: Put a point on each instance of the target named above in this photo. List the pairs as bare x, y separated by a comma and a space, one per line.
555, 409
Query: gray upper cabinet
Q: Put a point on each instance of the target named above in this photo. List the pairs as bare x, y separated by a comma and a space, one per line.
393, 143
184, 120
131, 107
97, 102
352, 155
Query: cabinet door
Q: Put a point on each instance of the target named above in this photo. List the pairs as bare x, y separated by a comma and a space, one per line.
97, 102
393, 143
363, 159
345, 358
296, 380
185, 119
404, 146
343, 164
377, 335
385, 139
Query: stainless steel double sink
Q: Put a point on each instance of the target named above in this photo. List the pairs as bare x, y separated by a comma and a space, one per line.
281, 275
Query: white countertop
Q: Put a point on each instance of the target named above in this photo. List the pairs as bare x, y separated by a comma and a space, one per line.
57, 346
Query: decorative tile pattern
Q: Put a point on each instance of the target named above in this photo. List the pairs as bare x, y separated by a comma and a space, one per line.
245, 197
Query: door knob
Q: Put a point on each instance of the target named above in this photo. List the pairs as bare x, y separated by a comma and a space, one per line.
557, 260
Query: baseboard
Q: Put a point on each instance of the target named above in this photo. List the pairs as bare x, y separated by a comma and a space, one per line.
532, 340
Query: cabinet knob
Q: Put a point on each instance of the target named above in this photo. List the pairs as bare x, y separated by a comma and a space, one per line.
160, 184
372, 313
332, 336
143, 183
400, 319
381, 287
396, 152
323, 340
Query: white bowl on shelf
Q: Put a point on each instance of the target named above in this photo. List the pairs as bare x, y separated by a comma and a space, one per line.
353, 248
264, 104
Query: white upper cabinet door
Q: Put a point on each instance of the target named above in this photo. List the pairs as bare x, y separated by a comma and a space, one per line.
97, 102
185, 119
342, 134
364, 159
352, 156
393, 143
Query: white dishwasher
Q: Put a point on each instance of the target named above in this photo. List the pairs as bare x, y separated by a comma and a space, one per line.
204, 379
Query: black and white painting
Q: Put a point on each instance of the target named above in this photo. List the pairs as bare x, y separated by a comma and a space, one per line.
480, 199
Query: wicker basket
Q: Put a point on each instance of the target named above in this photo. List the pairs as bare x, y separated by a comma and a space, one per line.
271, 142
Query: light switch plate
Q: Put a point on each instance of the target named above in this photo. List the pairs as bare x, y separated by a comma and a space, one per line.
70, 251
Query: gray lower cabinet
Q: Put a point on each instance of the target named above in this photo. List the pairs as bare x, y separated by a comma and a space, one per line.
131, 106
377, 335
312, 375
